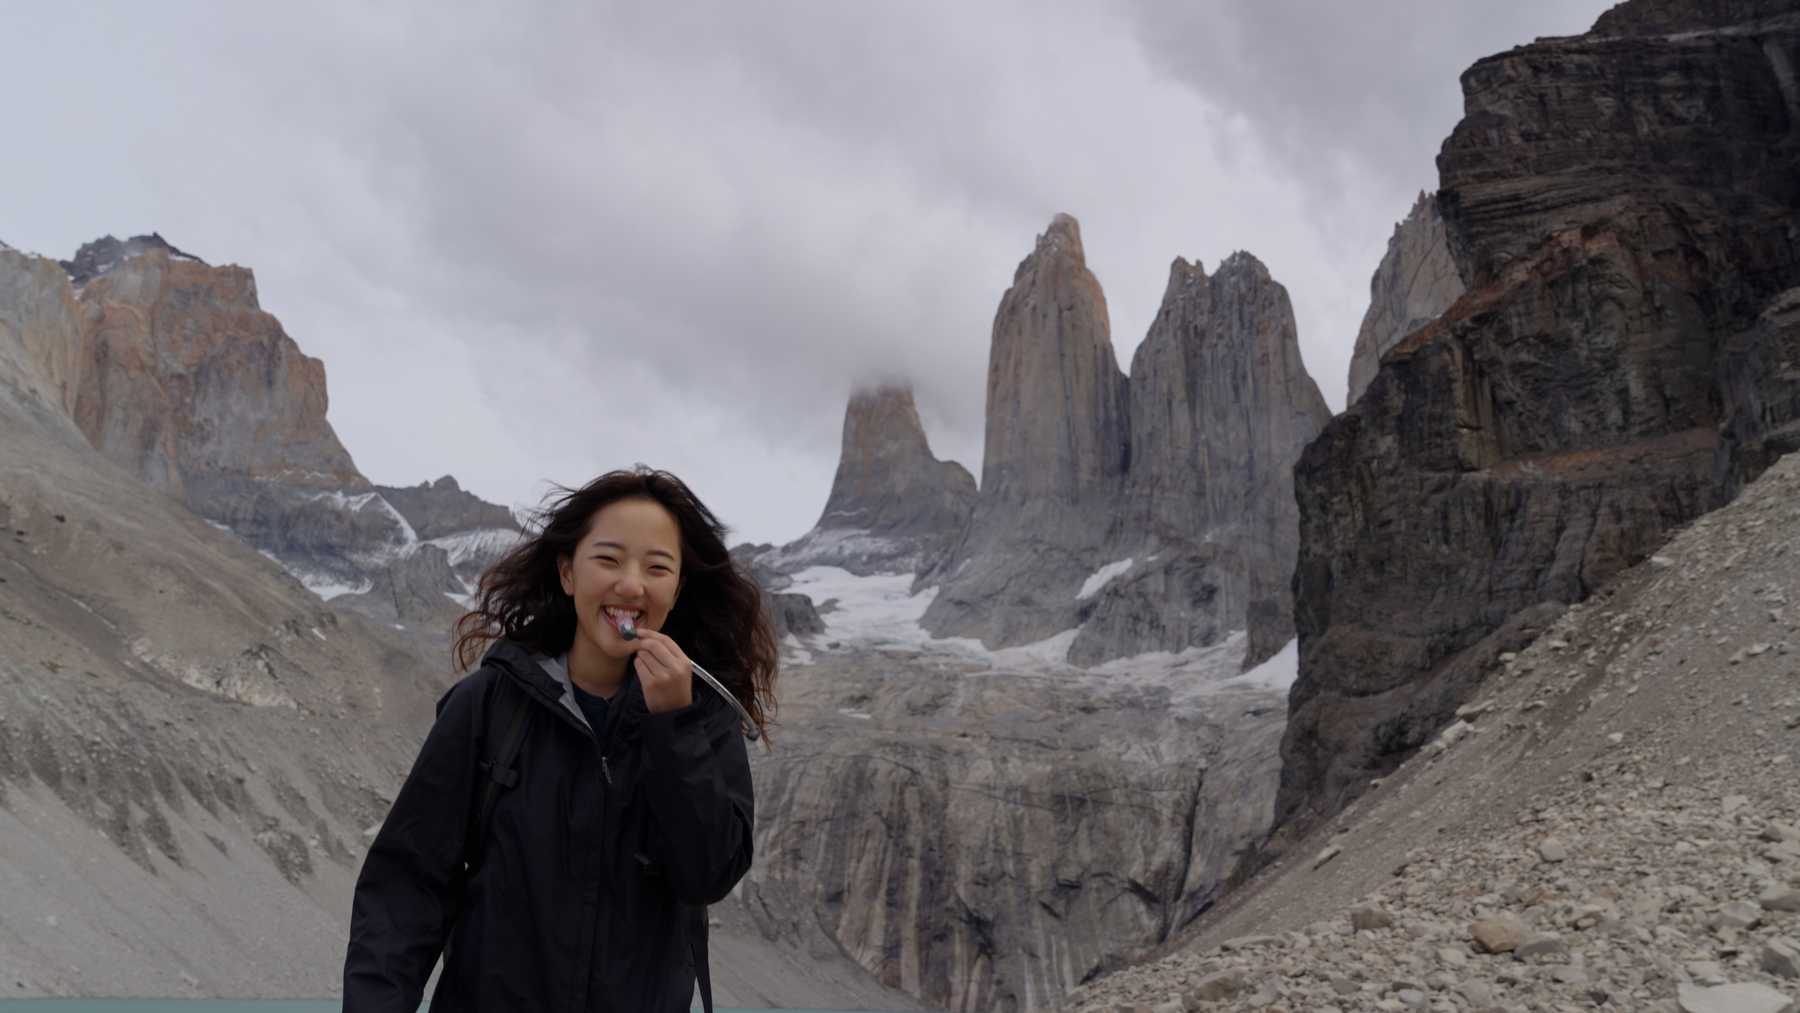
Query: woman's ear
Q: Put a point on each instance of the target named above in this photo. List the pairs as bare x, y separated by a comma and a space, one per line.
564, 568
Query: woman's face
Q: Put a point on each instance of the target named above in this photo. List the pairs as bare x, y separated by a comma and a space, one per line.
628, 564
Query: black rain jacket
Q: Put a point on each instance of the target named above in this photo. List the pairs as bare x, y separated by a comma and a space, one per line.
595, 872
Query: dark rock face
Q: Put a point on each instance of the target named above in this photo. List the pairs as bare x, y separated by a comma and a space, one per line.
416, 589
893, 506
1415, 284
102, 255
441, 508
1053, 460
796, 614
1620, 205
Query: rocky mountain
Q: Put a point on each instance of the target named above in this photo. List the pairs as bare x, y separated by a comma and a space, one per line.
1415, 283
1053, 461
191, 745
1221, 405
193, 748
893, 505
1613, 822
1153, 514
1620, 205
173, 371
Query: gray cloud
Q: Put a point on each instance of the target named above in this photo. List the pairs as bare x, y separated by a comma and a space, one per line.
533, 243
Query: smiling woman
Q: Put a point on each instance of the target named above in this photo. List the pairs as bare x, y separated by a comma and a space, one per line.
584, 794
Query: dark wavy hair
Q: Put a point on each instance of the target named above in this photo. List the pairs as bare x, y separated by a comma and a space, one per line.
719, 618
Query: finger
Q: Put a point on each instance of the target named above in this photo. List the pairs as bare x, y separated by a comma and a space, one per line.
665, 651
649, 668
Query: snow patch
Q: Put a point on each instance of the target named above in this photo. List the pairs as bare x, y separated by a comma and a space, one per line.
463, 601
479, 545
1278, 673
882, 612
409, 539
328, 588
795, 651
832, 544
1102, 577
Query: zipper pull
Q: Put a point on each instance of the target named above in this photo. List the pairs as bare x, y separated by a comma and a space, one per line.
606, 770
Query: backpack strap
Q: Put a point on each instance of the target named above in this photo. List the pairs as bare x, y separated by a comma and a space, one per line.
510, 711
697, 945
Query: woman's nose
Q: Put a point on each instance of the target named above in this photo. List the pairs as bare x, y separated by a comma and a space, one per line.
629, 586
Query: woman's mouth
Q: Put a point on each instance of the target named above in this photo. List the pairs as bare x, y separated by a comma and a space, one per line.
624, 620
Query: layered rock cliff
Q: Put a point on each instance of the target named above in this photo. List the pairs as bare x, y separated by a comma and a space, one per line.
893, 505
1621, 206
1415, 283
172, 370
1053, 459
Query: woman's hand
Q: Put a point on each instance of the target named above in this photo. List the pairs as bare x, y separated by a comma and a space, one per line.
665, 673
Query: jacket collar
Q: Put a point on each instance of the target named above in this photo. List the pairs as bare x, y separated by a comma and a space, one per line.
548, 679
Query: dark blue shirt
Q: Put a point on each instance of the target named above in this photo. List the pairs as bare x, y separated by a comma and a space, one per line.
594, 708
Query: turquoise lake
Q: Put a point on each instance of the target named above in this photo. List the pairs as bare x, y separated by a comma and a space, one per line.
232, 1006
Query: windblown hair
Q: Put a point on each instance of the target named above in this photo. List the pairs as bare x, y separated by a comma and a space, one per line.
719, 618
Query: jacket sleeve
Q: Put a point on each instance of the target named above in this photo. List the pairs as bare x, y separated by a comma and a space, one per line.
406, 894
700, 796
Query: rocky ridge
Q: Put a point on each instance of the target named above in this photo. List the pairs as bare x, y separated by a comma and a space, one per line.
1414, 284
1153, 514
893, 505
172, 370
1614, 820
1620, 205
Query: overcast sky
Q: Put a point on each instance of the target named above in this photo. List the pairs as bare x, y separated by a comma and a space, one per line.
534, 242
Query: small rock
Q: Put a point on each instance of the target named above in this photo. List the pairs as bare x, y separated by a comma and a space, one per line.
1214, 987
1569, 974
1249, 943
1471, 711
1744, 997
1327, 855
1538, 946
1498, 934
1364, 919
1780, 898
1706, 972
1552, 850
1781, 958
1736, 915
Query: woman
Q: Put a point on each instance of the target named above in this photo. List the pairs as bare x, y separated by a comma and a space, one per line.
578, 880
